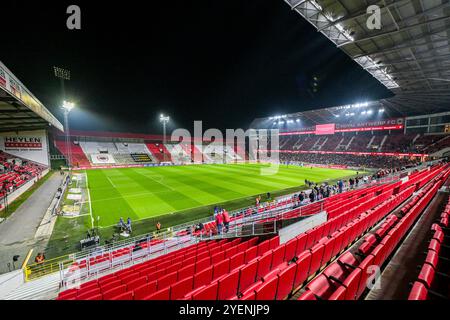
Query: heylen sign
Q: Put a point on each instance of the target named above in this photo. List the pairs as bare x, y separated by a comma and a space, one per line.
23, 143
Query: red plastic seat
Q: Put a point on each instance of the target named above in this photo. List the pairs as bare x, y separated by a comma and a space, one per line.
418, 292
203, 278
136, 283
186, 271
221, 268
181, 288
247, 275
207, 293
163, 294
264, 264
286, 281
307, 295
228, 286
167, 280
263, 247
338, 294
316, 257
301, 243
83, 295
352, 283
290, 250
128, 295
426, 275
322, 287
237, 260
267, 291
202, 264
250, 254
114, 292
145, 290
302, 272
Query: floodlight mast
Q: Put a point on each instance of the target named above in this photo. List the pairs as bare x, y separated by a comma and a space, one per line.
164, 120
67, 107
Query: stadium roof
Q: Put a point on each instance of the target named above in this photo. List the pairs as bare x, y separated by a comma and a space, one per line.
20, 110
410, 54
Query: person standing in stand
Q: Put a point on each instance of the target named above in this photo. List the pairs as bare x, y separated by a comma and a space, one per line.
226, 220
219, 222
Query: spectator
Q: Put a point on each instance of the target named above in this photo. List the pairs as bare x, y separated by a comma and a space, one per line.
226, 220
40, 258
219, 222
158, 227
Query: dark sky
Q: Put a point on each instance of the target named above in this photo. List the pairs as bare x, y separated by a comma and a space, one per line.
225, 62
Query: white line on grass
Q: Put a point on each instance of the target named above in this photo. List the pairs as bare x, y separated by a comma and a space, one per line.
111, 182
89, 199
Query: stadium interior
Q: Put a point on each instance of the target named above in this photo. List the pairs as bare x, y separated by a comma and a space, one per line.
361, 195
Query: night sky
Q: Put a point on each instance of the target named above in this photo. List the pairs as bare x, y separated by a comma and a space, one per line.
225, 62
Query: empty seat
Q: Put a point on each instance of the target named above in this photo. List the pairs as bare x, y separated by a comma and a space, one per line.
267, 291
247, 276
228, 286
145, 290
207, 293
250, 254
264, 264
136, 283
302, 272
163, 294
203, 278
221, 268
418, 292
286, 281
237, 260
180, 288
124, 296
114, 292
426, 275
338, 294
322, 287
167, 280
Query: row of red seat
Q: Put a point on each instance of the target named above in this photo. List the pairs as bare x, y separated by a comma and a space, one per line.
433, 281
277, 273
346, 278
166, 271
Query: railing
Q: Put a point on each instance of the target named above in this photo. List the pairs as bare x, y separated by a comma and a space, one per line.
72, 273
246, 230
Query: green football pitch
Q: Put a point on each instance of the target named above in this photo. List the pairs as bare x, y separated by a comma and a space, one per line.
147, 192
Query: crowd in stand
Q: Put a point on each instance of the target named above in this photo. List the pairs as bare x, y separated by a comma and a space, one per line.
348, 160
14, 172
363, 142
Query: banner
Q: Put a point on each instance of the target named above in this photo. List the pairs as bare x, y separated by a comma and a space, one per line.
389, 124
322, 129
102, 158
30, 145
388, 154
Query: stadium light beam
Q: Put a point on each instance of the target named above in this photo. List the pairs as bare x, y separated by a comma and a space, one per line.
164, 120
67, 106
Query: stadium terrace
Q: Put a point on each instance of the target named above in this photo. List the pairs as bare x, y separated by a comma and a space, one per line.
341, 197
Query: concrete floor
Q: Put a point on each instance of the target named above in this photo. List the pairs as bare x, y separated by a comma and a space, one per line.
17, 233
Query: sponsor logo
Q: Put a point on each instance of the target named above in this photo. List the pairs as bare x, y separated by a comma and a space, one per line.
23, 142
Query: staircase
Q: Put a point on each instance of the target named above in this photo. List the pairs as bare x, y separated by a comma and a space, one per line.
382, 143
159, 151
40, 289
